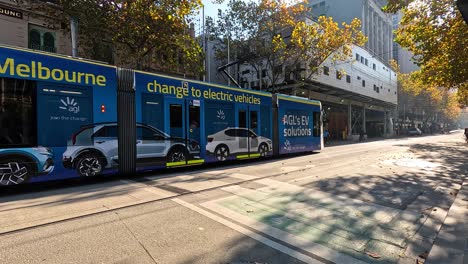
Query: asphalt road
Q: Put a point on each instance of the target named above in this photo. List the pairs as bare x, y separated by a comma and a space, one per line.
373, 202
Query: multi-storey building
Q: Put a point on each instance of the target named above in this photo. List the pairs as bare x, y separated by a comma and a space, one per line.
402, 56
376, 25
357, 94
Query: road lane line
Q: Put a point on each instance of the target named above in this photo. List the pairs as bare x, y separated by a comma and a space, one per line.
249, 233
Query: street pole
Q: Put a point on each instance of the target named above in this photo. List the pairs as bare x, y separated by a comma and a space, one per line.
74, 32
204, 43
228, 55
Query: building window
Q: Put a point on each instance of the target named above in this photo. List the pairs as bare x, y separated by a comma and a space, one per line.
34, 38
362, 59
374, 67
264, 71
338, 75
245, 72
366, 62
348, 78
363, 83
359, 77
326, 70
41, 38
49, 40
357, 57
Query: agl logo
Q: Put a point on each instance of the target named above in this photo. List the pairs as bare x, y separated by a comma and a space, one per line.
220, 114
70, 105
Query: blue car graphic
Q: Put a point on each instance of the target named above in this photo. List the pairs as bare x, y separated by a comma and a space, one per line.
18, 165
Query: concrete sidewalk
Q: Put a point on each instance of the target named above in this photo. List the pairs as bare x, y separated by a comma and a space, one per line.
451, 244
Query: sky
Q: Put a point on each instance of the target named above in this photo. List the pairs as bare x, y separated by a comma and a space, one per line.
212, 9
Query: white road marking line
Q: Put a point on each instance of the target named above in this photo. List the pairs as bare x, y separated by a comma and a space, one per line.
245, 231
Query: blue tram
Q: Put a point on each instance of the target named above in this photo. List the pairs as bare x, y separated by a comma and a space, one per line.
63, 117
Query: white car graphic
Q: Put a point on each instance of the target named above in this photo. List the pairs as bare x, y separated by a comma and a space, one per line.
237, 140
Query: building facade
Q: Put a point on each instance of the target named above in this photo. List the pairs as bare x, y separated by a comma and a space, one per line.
20, 26
376, 25
358, 95
402, 56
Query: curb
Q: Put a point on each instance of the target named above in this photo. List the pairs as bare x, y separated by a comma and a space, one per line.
451, 243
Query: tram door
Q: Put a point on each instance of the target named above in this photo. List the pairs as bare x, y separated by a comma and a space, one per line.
184, 125
248, 118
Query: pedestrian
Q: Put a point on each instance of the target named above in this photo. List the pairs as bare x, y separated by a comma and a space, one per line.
361, 135
326, 135
466, 135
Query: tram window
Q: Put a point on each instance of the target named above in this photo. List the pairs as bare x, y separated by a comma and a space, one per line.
316, 131
17, 113
242, 119
253, 120
194, 116
176, 115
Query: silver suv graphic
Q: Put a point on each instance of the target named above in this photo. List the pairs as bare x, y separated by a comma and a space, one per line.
235, 141
95, 147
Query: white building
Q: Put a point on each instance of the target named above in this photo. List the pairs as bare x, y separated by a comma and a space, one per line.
359, 94
361, 90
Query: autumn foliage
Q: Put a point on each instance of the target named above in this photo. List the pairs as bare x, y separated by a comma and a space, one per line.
437, 35
142, 34
276, 37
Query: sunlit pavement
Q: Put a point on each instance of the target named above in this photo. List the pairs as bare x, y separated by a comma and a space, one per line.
373, 202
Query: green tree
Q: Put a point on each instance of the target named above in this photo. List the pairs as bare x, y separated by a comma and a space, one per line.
144, 34
279, 38
433, 100
437, 35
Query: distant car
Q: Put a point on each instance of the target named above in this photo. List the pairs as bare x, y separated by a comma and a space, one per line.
237, 140
414, 131
18, 165
95, 147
